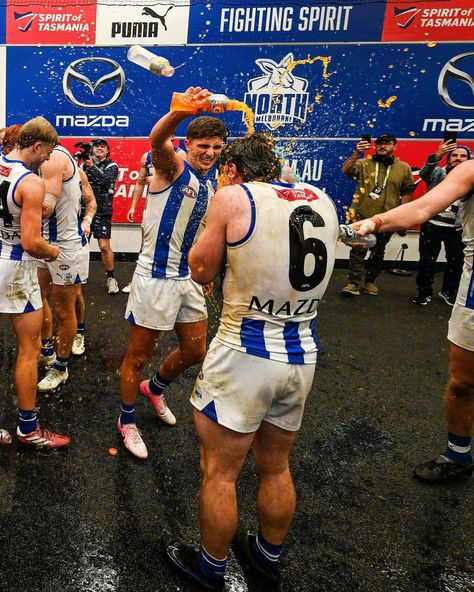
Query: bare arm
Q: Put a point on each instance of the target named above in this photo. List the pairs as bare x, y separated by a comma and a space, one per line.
31, 192
139, 187
457, 185
52, 172
168, 166
91, 204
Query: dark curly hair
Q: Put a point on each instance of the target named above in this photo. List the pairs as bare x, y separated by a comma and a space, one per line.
254, 157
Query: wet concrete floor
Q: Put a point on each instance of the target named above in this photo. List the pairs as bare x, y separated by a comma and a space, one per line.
81, 520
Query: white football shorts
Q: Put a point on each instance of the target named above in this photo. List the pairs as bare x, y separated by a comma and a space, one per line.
19, 288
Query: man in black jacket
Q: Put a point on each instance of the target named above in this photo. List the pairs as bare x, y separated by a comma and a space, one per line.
102, 173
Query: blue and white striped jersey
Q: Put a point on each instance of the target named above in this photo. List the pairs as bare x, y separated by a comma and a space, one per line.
465, 296
171, 222
11, 173
277, 274
63, 227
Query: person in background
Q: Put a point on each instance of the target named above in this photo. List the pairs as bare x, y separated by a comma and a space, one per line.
102, 173
383, 182
456, 460
443, 228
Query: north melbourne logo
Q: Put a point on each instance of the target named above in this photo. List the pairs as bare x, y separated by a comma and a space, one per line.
278, 97
405, 16
141, 28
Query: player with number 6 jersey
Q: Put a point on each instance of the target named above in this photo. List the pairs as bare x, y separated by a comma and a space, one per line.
270, 309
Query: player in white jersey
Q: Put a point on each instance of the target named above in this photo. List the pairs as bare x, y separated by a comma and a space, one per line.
22, 196
279, 240
62, 278
456, 460
163, 296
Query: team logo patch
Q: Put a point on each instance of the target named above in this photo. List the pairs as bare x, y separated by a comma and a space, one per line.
188, 191
4, 171
64, 267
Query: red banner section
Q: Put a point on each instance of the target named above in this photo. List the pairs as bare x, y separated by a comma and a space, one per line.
432, 20
126, 152
51, 25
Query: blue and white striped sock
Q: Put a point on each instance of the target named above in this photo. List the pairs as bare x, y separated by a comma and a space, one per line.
127, 413
213, 569
459, 448
27, 421
265, 553
60, 364
158, 384
47, 346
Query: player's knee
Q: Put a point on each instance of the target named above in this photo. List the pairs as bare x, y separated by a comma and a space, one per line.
460, 387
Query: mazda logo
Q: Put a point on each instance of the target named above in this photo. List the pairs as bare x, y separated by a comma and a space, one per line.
74, 72
450, 70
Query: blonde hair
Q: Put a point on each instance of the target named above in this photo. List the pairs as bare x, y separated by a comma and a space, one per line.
37, 130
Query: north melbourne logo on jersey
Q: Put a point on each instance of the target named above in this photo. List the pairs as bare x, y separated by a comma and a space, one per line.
278, 97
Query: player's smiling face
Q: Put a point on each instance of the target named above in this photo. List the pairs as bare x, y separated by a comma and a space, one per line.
202, 153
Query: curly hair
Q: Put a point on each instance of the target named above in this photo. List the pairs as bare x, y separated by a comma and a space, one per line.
254, 157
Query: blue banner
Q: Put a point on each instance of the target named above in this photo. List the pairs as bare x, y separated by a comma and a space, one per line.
286, 22
414, 91
3, 21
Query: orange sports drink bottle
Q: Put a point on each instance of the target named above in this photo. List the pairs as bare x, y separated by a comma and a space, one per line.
213, 104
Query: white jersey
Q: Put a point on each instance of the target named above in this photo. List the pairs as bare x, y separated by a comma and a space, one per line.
277, 274
11, 173
63, 227
171, 222
465, 296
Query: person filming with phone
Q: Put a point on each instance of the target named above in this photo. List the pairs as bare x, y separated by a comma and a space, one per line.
383, 182
444, 228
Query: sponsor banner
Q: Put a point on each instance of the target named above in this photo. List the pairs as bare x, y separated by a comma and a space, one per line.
317, 162
157, 24
3, 12
126, 152
432, 20
365, 89
61, 24
278, 21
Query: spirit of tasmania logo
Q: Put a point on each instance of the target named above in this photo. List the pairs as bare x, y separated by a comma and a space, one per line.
278, 97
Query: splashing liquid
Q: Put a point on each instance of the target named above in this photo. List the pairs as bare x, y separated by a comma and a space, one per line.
386, 104
249, 115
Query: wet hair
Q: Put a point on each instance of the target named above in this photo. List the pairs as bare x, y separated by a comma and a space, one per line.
206, 127
10, 139
37, 130
254, 157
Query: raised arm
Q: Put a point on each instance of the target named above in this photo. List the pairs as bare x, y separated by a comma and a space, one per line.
168, 165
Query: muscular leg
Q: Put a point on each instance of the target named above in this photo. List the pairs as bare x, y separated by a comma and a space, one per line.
64, 300
141, 346
27, 327
223, 453
106, 253
45, 282
459, 396
276, 493
191, 350
80, 305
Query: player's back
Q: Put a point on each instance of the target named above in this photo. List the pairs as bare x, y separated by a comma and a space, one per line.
11, 174
277, 274
63, 226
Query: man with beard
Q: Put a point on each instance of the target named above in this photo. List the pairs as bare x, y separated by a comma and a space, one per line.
383, 182
443, 228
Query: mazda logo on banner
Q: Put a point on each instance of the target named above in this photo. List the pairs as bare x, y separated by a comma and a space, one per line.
114, 78
450, 72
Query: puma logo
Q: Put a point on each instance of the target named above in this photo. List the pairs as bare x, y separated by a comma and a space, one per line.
150, 12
